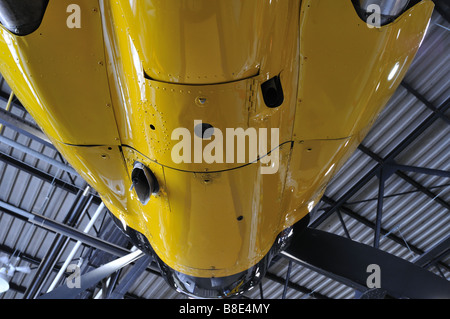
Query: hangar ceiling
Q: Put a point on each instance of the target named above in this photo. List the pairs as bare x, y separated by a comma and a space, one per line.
393, 194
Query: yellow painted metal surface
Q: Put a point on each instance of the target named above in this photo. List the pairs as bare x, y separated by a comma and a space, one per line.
220, 216
349, 71
167, 106
112, 92
59, 74
205, 42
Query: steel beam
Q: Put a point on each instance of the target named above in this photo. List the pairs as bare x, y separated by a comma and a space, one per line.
38, 155
437, 251
390, 157
93, 277
261, 293
76, 247
21, 126
23, 256
343, 224
295, 286
421, 170
383, 231
427, 103
61, 228
443, 7
392, 167
424, 190
126, 282
113, 279
347, 211
17, 288
103, 245
341, 201
57, 247
395, 152
381, 182
288, 275
66, 186
431, 119
347, 261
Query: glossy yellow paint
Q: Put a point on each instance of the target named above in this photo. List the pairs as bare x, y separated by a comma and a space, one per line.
350, 71
168, 105
112, 92
60, 75
206, 42
200, 234
211, 223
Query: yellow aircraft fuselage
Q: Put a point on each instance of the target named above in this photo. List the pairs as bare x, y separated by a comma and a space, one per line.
111, 91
